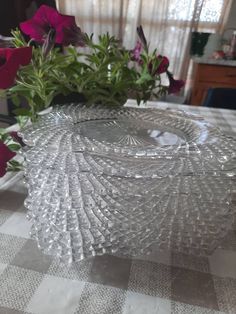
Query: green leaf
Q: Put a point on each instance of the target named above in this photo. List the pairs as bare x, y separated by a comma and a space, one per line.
145, 77
22, 120
16, 100
2, 131
14, 163
22, 112
14, 147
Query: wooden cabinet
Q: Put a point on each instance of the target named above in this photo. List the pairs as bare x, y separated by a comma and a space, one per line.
211, 75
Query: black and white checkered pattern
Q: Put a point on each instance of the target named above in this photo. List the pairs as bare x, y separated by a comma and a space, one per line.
161, 283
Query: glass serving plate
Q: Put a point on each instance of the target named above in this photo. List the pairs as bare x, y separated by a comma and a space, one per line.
118, 181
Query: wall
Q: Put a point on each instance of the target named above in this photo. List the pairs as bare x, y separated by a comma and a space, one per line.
232, 16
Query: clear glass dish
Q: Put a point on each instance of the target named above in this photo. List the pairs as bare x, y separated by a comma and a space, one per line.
117, 181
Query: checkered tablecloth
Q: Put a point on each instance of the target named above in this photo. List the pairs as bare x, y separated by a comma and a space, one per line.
161, 283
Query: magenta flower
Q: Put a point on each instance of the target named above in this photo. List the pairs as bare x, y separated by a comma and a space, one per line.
45, 19
5, 155
175, 85
162, 65
10, 61
136, 52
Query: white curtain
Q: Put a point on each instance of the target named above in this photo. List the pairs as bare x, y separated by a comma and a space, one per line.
168, 24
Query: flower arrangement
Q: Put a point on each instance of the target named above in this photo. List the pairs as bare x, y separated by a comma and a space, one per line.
48, 60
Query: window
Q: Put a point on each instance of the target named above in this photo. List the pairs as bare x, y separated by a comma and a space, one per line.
184, 9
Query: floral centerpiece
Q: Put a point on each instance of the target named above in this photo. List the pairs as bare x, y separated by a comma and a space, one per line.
51, 56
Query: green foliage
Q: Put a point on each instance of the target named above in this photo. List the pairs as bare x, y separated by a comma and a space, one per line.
41, 80
14, 165
105, 75
8, 140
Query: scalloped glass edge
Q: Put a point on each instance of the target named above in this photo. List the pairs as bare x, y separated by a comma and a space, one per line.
178, 197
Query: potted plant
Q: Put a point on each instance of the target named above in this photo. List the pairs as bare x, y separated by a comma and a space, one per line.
49, 66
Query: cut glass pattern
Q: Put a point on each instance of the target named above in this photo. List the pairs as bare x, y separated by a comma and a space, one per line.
118, 181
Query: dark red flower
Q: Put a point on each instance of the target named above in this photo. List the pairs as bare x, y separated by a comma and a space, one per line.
160, 65
5, 155
163, 65
175, 85
45, 19
10, 61
136, 52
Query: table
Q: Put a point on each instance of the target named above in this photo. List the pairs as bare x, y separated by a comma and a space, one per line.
161, 283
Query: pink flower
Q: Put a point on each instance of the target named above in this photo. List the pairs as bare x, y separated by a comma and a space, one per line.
45, 19
175, 85
136, 52
10, 61
5, 155
162, 65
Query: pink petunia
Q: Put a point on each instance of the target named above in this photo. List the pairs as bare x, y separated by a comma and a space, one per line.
10, 61
136, 52
47, 18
